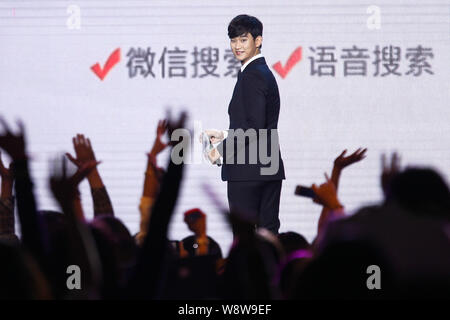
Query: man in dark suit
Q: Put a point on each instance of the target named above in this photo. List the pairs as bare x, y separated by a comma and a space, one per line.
252, 167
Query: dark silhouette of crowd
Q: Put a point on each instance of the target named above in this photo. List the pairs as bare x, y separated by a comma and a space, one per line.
399, 248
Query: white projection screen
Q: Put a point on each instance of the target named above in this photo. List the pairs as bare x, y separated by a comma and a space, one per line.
369, 74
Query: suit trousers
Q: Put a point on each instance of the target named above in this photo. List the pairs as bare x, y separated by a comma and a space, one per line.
256, 201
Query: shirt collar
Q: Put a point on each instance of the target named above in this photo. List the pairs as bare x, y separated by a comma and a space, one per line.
259, 55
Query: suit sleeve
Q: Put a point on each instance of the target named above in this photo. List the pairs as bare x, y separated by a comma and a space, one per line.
252, 98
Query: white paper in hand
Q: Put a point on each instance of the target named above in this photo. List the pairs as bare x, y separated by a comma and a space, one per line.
207, 146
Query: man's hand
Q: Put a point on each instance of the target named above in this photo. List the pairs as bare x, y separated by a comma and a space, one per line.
214, 136
389, 171
13, 144
85, 157
173, 124
158, 145
83, 151
341, 161
65, 188
326, 195
213, 155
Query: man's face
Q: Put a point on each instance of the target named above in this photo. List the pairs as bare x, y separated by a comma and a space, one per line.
196, 223
245, 47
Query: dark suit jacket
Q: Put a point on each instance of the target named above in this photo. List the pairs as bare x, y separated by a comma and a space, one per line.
255, 105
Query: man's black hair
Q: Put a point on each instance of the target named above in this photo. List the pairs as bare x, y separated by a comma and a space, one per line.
243, 24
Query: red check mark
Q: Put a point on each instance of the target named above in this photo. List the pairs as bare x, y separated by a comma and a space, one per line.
295, 57
113, 59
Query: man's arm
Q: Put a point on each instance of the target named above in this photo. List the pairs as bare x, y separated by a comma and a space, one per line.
148, 274
253, 102
83, 250
7, 180
33, 236
84, 153
340, 163
326, 195
7, 232
151, 181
